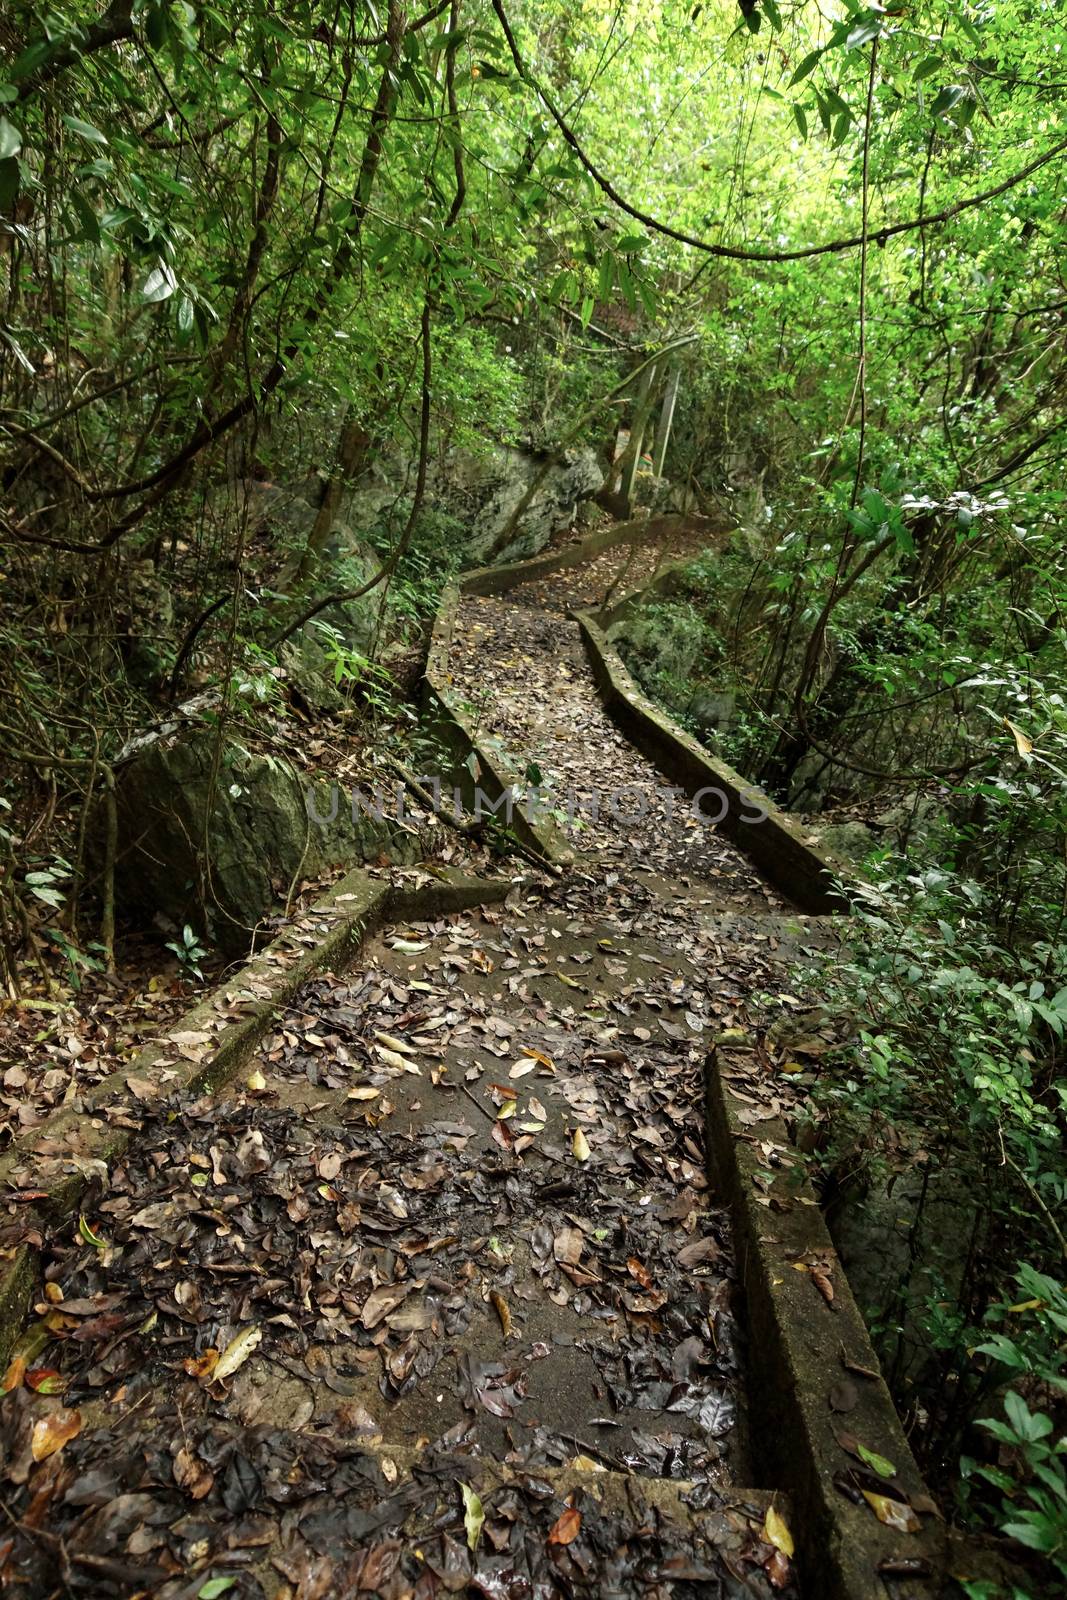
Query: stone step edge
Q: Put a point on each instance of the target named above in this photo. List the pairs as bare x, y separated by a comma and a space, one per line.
235, 1016
806, 1339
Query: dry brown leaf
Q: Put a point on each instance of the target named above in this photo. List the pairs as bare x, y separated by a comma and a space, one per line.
52, 1432
566, 1528
894, 1513
191, 1474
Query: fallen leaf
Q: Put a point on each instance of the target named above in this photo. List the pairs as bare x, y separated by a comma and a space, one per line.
237, 1352
580, 1145
45, 1380
844, 1396
566, 1528
500, 1306
203, 1365
776, 1531
191, 1474
391, 1042
541, 1060
879, 1464
894, 1513
51, 1433
473, 1515
89, 1236
639, 1271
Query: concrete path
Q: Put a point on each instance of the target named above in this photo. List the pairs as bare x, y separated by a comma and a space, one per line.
437, 1298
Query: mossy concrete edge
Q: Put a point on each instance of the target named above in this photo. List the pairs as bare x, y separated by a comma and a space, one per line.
806, 1359
238, 1014
808, 875
498, 580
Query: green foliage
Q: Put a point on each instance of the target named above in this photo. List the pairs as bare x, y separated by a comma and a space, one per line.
1029, 1477
189, 951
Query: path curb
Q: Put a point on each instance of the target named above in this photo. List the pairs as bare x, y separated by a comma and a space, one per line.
233, 1018
803, 871
452, 718
804, 1398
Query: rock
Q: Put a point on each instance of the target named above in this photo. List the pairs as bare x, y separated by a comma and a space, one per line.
259, 823
910, 820
849, 841
896, 1262
576, 478
712, 711
309, 659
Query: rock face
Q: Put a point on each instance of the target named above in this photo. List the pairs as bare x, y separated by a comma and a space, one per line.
902, 1245
713, 711
850, 841
552, 508
480, 490
261, 824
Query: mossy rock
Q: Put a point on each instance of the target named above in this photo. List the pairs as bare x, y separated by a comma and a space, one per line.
220, 850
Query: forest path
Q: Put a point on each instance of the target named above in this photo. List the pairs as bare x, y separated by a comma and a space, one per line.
452, 1227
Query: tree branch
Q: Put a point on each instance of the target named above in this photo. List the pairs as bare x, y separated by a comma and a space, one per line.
732, 252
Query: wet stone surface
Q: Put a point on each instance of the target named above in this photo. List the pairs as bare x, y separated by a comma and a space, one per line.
441, 1268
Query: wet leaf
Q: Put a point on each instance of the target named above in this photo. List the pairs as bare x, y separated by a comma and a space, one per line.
52, 1432
473, 1515
894, 1513
776, 1531
237, 1352
566, 1528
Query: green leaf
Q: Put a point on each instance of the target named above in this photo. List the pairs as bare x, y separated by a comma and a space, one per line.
877, 1463
809, 63
90, 225
9, 182
10, 140
155, 26
630, 243
926, 69
800, 117
214, 1587
85, 130
89, 1236
473, 1515
160, 284
864, 33
947, 98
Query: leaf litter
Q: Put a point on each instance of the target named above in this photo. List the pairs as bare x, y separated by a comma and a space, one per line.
302, 1314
